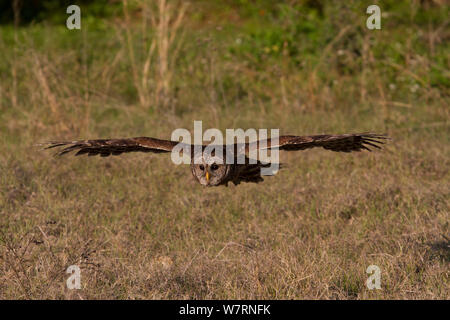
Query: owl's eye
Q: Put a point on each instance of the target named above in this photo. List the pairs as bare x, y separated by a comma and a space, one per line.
214, 167
202, 167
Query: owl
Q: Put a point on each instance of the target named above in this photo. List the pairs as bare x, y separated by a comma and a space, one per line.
212, 168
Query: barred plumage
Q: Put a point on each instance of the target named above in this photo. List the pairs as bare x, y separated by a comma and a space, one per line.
210, 172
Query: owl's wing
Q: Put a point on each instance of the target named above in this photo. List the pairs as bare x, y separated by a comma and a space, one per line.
107, 147
335, 142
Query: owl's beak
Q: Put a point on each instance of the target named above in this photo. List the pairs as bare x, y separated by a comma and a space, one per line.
207, 176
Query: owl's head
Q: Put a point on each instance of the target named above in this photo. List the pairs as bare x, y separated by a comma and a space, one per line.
210, 170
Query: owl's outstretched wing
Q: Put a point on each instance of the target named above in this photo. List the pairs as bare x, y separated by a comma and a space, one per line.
335, 142
107, 147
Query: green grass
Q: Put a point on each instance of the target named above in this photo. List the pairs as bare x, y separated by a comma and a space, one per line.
140, 227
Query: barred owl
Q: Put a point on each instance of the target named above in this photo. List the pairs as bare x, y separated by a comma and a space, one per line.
210, 169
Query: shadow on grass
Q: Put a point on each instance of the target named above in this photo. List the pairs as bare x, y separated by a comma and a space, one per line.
441, 249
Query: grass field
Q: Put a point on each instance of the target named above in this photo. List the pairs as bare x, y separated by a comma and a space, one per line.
140, 227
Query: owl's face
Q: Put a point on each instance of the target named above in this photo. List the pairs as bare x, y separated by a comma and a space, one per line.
210, 171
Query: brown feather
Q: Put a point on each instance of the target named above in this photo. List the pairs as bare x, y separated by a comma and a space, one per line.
338, 143
107, 147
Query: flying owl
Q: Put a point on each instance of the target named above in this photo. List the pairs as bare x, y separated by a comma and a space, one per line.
211, 169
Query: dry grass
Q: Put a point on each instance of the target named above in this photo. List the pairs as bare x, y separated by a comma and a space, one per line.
140, 227
158, 64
